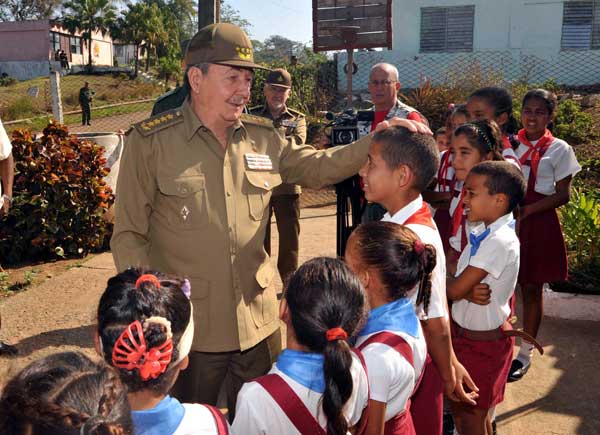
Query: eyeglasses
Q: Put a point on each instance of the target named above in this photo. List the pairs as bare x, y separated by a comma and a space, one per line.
382, 82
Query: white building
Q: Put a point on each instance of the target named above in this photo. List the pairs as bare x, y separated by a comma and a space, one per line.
532, 39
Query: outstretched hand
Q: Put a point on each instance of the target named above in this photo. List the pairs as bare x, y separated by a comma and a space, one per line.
414, 126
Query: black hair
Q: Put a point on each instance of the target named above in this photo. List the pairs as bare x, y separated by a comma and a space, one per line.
122, 303
548, 98
391, 249
483, 135
65, 394
458, 109
439, 131
501, 100
505, 178
324, 294
419, 152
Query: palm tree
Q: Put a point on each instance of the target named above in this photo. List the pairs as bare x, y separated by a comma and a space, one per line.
88, 16
131, 28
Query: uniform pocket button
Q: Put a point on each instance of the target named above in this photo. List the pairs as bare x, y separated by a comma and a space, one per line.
266, 184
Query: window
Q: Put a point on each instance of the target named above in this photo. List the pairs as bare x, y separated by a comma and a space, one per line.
581, 25
75, 44
54, 41
447, 29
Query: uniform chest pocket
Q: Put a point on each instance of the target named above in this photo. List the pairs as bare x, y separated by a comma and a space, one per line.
258, 188
182, 201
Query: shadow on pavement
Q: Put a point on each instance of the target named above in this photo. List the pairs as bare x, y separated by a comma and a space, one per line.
82, 336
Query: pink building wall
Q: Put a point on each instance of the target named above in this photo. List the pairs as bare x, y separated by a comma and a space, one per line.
25, 40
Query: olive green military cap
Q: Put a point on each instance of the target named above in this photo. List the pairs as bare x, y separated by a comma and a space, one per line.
279, 77
221, 43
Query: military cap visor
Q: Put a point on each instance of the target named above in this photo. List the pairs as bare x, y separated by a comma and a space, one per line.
223, 44
279, 77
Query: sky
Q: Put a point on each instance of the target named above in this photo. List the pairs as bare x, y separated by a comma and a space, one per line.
291, 19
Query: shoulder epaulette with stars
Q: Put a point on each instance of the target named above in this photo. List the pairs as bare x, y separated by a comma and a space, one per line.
156, 123
256, 120
256, 108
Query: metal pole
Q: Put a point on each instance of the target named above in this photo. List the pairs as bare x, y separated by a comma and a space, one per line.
349, 71
208, 12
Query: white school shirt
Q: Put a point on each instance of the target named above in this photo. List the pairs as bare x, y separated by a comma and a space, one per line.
197, 420
437, 303
257, 413
498, 255
392, 379
558, 163
449, 175
5, 146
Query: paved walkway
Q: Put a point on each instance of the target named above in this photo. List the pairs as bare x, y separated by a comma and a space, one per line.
558, 396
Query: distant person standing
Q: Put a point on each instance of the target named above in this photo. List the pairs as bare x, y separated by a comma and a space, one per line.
285, 201
7, 173
85, 101
64, 60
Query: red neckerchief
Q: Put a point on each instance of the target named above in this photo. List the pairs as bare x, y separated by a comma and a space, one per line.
506, 142
535, 152
458, 219
378, 118
421, 217
443, 173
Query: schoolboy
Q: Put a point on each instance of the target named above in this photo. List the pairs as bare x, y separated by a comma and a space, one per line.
493, 190
400, 165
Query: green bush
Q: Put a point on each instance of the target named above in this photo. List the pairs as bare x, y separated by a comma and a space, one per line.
59, 198
580, 219
7, 80
22, 107
572, 124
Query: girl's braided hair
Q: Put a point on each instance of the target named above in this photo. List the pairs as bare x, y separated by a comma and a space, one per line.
65, 394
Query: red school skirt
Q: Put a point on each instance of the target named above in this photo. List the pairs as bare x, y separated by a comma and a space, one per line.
427, 404
443, 222
488, 363
543, 251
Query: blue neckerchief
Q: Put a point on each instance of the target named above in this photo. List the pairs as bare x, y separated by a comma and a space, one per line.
163, 419
475, 240
306, 368
394, 316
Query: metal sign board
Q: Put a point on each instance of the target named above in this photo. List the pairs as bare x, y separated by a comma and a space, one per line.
372, 17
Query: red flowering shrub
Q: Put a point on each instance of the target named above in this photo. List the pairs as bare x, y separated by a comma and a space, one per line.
59, 198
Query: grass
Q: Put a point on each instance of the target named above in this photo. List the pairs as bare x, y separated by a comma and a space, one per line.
16, 103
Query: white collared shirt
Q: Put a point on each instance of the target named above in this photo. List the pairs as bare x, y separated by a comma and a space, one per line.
257, 413
5, 146
559, 161
437, 303
498, 255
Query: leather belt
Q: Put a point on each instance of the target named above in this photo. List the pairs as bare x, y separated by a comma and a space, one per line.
504, 331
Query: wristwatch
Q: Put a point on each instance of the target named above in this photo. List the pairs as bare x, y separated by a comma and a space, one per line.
5, 197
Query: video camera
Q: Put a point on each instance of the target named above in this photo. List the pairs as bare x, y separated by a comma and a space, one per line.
350, 196
344, 125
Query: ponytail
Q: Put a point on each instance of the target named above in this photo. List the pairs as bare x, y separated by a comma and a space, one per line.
427, 261
338, 384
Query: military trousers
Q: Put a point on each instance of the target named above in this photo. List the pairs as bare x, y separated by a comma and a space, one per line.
287, 215
86, 114
208, 372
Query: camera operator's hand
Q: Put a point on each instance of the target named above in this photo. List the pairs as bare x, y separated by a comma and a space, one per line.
414, 126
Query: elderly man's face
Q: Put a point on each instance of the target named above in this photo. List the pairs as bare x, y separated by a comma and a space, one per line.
383, 86
276, 96
225, 89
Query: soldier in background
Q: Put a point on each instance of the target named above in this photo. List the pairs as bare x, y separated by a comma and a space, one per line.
85, 101
285, 201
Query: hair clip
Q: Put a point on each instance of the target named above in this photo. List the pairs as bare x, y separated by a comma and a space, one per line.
418, 247
147, 277
186, 288
336, 334
130, 353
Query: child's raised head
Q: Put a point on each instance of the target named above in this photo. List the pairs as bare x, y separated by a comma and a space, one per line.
475, 142
493, 189
324, 304
65, 394
441, 139
390, 260
537, 113
401, 164
494, 104
146, 328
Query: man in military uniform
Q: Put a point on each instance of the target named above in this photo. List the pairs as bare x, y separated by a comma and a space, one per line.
285, 200
85, 101
192, 199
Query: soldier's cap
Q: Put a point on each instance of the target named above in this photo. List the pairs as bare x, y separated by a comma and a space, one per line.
279, 77
223, 44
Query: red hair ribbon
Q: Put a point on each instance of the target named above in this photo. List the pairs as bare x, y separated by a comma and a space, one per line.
336, 334
148, 277
418, 247
130, 353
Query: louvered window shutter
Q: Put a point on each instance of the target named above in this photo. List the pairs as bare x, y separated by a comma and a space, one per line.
447, 29
581, 25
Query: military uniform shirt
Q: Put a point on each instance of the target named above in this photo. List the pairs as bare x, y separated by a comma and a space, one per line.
187, 206
171, 100
293, 123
